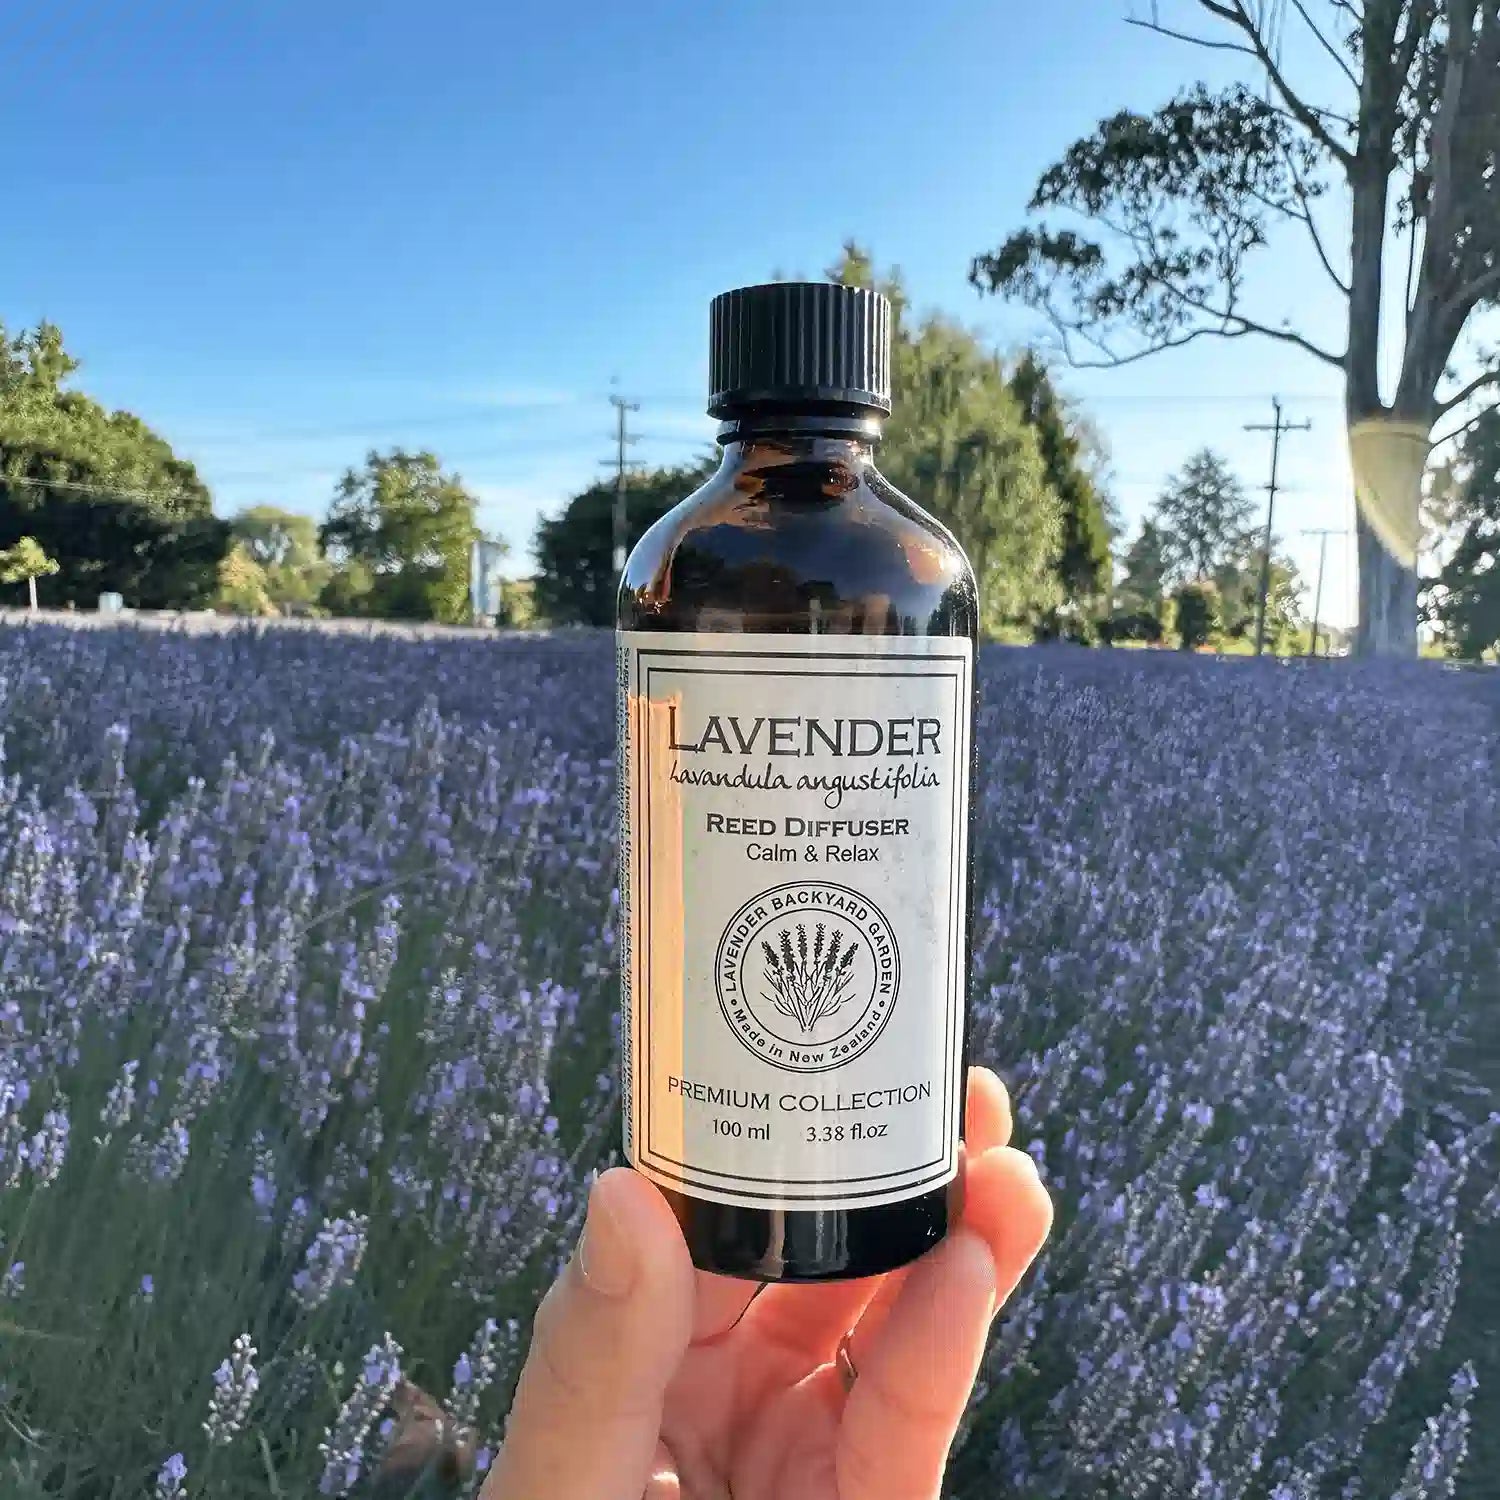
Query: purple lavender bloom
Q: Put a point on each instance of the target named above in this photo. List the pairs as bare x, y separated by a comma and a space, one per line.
235, 1383
263, 1180
476, 1369
47, 1150
170, 1479
333, 1260
344, 1444
119, 1103
160, 1158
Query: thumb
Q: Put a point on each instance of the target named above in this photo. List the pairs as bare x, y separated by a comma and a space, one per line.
608, 1337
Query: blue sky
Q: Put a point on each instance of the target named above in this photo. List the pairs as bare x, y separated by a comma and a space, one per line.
285, 233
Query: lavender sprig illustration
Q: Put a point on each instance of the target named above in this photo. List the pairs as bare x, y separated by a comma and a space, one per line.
812, 982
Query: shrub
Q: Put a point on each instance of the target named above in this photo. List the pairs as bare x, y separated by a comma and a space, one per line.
1199, 617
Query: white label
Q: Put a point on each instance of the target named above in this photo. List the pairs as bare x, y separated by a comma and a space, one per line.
794, 823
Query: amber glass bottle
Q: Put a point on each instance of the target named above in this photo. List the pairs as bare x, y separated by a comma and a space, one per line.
796, 659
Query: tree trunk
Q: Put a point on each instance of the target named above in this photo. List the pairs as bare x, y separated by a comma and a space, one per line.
1387, 599
1389, 458
31, 582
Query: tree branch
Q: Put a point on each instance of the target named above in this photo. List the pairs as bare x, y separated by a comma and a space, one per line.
1326, 45
1347, 121
1464, 431
1236, 15
1113, 361
1187, 36
1479, 383
1228, 314
1445, 122
1282, 335
1306, 217
1146, 243
1473, 291
1430, 335
1232, 325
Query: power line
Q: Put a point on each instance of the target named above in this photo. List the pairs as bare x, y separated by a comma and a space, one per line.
155, 496
1275, 428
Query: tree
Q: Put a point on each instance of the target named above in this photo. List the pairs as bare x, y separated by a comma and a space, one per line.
348, 592
1141, 602
1083, 560
1464, 599
1203, 516
409, 525
99, 491
575, 578
1198, 618
1176, 203
242, 584
1237, 580
283, 544
1285, 625
25, 563
959, 443
517, 604
1143, 584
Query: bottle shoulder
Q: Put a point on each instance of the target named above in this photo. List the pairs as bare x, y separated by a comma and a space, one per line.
800, 547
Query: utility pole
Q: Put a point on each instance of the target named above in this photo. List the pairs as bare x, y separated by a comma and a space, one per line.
1322, 535
622, 441
1275, 428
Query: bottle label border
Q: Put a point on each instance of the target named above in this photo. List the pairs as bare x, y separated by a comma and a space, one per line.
641, 655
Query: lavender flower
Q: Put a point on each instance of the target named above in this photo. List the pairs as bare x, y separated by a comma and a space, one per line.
1439, 1453
171, 1478
15, 1090
298, 1213
475, 1369
263, 1179
333, 1260
160, 1158
47, 1150
119, 1103
235, 1383
344, 1445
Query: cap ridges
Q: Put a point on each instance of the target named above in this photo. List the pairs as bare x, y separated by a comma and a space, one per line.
812, 343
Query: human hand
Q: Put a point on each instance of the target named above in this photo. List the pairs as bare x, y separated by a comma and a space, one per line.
649, 1380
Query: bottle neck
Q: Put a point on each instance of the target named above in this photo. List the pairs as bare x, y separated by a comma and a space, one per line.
765, 438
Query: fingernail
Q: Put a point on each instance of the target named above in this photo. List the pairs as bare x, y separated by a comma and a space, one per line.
605, 1257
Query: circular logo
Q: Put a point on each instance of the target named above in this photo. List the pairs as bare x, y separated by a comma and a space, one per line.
807, 975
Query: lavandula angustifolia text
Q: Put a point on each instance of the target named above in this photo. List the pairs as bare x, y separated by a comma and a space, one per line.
306, 992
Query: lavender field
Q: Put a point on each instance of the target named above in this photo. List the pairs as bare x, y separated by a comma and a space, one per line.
307, 1052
